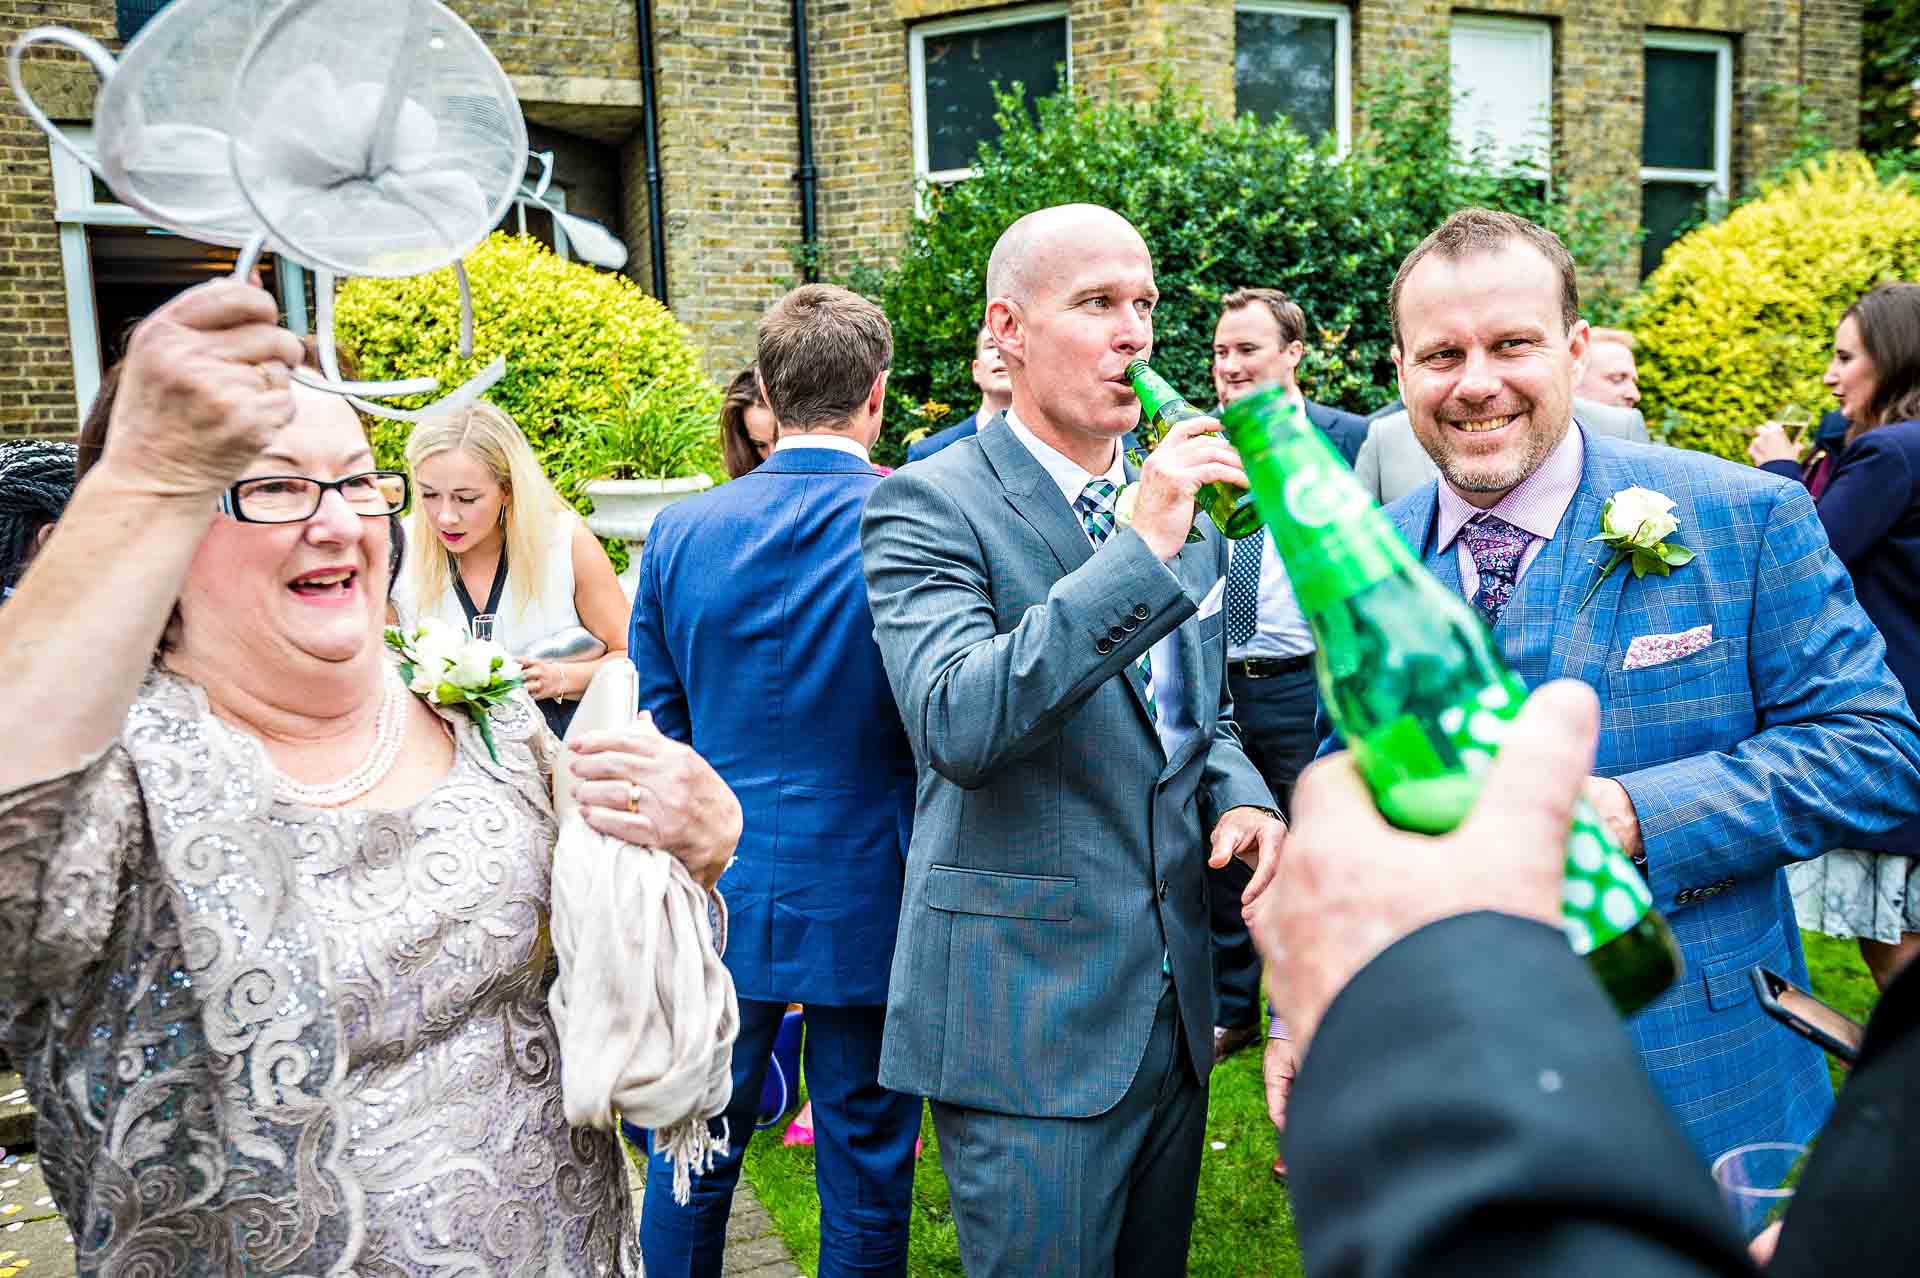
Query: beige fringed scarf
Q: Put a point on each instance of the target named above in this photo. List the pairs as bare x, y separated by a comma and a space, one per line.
645, 1008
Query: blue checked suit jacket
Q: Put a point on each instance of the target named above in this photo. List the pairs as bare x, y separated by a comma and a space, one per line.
1784, 737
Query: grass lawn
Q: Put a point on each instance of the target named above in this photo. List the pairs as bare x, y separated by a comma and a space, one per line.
1244, 1225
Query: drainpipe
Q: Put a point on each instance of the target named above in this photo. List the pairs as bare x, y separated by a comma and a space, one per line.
650, 130
807, 176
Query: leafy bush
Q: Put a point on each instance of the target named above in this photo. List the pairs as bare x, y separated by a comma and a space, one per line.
1222, 204
1738, 321
585, 351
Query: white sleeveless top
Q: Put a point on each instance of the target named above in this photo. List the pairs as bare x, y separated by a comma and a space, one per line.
515, 628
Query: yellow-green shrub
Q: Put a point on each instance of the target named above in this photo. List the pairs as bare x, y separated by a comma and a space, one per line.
578, 342
1738, 321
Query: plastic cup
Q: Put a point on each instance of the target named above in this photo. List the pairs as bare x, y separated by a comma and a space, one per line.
1756, 1182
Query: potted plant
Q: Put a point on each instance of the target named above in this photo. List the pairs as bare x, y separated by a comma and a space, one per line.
650, 452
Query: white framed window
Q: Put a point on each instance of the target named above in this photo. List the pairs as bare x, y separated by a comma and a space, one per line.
1295, 58
118, 266
1686, 141
953, 65
1503, 92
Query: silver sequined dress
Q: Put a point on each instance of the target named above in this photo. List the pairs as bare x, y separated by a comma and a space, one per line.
264, 1038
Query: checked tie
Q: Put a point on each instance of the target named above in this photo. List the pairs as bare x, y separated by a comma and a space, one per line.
1095, 508
1497, 548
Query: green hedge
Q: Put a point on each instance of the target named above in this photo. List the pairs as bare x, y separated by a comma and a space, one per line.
1737, 323
582, 347
1222, 204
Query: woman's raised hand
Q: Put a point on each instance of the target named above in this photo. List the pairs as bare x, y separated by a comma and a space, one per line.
205, 387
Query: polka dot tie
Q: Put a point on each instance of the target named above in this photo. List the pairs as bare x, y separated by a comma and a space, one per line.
1497, 548
1243, 588
1095, 508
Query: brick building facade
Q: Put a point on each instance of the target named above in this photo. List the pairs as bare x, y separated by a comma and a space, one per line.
73, 269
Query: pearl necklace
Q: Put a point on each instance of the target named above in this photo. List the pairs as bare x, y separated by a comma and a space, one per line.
390, 729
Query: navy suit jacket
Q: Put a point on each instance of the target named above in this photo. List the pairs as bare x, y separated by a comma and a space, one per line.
754, 643
919, 450
1347, 430
1871, 511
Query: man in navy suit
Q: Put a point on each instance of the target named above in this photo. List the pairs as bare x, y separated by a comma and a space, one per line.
996, 395
754, 642
1260, 340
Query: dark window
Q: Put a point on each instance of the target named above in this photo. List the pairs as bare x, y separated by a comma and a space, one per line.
131, 15
1288, 64
1682, 96
961, 69
1667, 211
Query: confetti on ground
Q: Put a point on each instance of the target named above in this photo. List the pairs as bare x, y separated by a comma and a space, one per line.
9, 1209
1219, 1144
9, 1184
43, 1202
15, 1227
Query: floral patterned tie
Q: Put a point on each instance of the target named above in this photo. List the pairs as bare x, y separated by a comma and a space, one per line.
1497, 548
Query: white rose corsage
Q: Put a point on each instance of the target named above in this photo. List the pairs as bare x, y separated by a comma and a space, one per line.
1635, 523
450, 668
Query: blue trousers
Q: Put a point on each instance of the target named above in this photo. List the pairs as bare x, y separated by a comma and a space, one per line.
863, 1138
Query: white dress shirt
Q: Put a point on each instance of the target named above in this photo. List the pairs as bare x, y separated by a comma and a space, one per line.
824, 439
1176, 722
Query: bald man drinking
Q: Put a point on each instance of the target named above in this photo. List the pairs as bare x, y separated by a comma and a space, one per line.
1062, 677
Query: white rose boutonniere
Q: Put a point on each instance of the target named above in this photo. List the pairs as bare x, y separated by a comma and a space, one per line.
449, 669
1636, 523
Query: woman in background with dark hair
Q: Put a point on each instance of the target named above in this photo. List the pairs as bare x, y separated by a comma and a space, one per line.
36, 479
1871, 510
747, 429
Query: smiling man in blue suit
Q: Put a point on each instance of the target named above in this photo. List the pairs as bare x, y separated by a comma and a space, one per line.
754, 643
1748, 718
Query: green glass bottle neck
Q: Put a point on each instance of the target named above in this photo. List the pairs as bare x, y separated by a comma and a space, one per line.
1157, 399
1332, 536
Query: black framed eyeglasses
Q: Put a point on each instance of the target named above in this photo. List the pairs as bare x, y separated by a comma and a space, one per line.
289, 499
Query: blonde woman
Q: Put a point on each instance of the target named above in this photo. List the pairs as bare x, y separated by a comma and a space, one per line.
490, 536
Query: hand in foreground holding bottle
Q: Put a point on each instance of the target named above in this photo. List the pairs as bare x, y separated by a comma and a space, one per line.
204, 389
1191, 454
649, 790
1351, 885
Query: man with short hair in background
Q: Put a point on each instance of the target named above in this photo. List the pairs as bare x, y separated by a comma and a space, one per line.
1610, 377
1259, 340
996, 394
754, 643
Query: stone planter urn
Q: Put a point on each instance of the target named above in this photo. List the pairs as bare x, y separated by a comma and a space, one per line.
624, 509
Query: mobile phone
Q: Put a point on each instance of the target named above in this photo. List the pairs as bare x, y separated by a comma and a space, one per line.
1835, 1031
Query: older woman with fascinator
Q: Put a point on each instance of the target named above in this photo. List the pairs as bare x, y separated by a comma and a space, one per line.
272, 950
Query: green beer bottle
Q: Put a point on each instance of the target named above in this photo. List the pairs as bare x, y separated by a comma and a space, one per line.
1412, 680
1231, 509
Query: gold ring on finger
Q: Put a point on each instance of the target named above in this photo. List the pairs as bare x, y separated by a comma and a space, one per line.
633, 797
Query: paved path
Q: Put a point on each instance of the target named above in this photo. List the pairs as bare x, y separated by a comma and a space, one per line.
34, 1242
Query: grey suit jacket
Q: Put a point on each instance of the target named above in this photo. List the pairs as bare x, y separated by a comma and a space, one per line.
1392, 463
1058, 853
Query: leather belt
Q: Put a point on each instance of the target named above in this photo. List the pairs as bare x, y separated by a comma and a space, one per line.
1269, 667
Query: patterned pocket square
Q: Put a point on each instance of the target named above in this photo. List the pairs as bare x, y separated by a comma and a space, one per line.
1657, 650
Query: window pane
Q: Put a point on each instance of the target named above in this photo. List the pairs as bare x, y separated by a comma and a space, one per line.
1666, 210
961, 70
1286, 64
1682, 95
1503, 92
